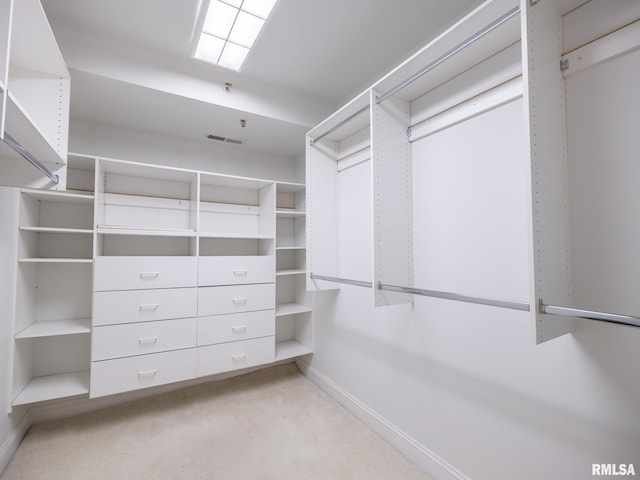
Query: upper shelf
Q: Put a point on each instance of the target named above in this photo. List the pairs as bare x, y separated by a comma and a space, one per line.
35, 91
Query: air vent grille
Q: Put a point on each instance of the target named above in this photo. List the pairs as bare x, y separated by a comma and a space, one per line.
225, 139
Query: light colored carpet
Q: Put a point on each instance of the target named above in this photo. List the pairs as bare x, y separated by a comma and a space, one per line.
270, 424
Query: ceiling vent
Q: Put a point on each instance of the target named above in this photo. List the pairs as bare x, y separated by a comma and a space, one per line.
225, 139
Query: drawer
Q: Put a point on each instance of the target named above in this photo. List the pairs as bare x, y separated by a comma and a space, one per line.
133, 373
226, 357
236, 270
133, 306
236, 298
129, 273
235, 326
116, 341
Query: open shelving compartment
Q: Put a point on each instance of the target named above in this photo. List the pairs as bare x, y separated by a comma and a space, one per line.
236, 216
337, 145
293, 302
52, 319
35, 91
583, 162
145, 210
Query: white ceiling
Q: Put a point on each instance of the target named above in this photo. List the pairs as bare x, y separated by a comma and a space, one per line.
130, 64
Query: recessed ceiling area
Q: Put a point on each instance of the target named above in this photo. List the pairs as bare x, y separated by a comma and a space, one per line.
131, 64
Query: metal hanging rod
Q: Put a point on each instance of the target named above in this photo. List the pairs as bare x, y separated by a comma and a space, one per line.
457, 297
589, 314
335, 127
358, 283
9, 140
461, 46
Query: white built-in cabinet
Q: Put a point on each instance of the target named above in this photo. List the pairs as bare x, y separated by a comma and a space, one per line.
140, 275
499, 162
34, 98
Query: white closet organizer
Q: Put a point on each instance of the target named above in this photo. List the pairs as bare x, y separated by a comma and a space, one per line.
293, 305
459, 134
52, 308
341, 142
34, 99
194, 274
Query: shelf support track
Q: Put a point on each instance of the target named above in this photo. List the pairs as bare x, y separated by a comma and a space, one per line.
444, 57
589, 314
9, 140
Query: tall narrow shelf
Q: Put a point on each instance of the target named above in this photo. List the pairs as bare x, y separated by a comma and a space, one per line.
293, 311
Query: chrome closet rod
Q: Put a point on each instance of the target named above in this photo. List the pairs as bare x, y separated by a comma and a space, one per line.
358, 283
589, 315
461, 46
9, 140
458, 297
335, 127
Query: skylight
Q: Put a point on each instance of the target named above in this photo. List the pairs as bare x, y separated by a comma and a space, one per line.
230, 29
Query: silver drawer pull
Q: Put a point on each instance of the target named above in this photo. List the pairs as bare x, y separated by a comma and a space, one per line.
149, 274
240, 300
239, 273
239, 357
143, 340
147, 373
242, 329
149, 306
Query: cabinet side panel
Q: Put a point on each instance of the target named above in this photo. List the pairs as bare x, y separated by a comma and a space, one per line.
322, 231
544, 102
392, 199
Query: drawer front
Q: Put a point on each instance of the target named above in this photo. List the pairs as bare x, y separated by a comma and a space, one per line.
235, 326
110, 308
226, 357
236, 298
129, 273
116, 341
133, 373
236, 270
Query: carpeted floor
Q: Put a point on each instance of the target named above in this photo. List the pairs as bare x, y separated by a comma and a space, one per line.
270, 424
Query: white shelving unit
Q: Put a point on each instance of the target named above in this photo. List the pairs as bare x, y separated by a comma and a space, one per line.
156, 251
35, 93
293, 310
52, 326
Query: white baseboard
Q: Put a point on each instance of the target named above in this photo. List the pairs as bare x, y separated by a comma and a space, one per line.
424, 458
11, 443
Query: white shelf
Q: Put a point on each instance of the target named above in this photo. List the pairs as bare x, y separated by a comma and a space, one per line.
57, 230
290, 349
290, 187
291, 271
55, 260
24, 129
251, 236
59, 196
284, 309
54, 386
56, 327
124, 230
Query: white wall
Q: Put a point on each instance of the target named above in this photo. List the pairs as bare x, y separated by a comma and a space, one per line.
139, 146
